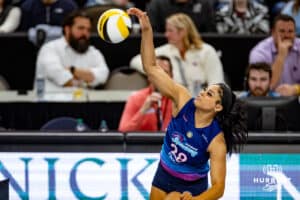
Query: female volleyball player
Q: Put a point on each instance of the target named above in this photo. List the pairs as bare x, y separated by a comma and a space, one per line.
202, 128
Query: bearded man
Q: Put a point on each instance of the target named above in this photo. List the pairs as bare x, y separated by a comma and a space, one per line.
70, 61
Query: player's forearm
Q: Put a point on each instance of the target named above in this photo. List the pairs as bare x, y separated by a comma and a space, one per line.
147, 49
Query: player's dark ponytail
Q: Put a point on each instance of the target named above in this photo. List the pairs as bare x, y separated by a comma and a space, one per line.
232, 119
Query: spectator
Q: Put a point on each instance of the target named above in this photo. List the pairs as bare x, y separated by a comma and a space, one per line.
200, 11
146, 109
51, 12
10, 17
70, 61
292, 9
258, 80
281, 51
195, 63
243, 17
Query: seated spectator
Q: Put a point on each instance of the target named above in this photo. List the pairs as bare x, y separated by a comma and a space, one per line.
243, 17
195, 63
292, 9
10, 17
200, 11
70, 61
281, 51
51, 12
258, 80
146, 109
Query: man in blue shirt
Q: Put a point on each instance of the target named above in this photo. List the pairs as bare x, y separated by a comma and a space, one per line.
51, 12
258, 81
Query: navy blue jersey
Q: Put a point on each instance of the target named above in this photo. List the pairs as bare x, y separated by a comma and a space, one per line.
184, 150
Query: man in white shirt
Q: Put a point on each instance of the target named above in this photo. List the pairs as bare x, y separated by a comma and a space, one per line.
71, 61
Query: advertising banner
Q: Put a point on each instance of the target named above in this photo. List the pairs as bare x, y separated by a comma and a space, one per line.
126, 176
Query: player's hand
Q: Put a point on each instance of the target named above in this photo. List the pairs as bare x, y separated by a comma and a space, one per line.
142, 16
186, 196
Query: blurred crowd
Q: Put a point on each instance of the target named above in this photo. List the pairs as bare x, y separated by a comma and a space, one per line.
61, 29
222, 16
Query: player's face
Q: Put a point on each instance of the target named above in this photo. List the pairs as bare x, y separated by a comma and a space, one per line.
258, 82
209, 99
284, 30
173, 34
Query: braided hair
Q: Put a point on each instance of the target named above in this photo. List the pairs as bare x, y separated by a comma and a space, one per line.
232, 119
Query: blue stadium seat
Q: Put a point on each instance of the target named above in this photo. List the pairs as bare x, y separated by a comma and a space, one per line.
62, 124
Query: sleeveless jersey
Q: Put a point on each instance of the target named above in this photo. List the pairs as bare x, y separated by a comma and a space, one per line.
184, 151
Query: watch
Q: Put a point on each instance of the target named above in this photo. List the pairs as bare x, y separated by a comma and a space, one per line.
72, 69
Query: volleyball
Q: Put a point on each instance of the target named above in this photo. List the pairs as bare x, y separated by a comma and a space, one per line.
114, 25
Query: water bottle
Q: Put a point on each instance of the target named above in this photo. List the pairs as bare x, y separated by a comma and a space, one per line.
103, 126
40, 87
80, 127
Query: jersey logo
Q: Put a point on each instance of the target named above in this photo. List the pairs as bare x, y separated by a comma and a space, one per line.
189, 134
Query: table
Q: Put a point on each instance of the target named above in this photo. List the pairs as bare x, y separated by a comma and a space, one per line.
24, 112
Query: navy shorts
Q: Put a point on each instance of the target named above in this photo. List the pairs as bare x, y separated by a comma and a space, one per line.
168, 183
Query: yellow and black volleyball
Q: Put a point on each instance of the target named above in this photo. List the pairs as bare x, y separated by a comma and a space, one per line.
114, 25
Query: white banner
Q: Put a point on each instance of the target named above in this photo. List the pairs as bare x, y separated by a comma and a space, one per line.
109, 176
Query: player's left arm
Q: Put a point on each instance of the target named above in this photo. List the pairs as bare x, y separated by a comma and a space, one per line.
217, 151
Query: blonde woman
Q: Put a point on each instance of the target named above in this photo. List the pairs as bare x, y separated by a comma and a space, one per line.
195, 63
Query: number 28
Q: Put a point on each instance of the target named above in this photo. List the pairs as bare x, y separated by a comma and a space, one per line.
179, 156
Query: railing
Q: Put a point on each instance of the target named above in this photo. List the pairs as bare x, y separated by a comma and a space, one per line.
264, 142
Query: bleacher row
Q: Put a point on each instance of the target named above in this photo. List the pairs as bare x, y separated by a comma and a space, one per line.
18, 55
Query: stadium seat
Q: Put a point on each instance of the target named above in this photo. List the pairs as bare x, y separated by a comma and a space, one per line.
125, 78
62, 124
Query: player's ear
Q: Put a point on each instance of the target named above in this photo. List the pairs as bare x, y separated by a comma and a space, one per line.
218, 107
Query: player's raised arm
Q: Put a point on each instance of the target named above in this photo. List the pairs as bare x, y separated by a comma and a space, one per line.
156, 75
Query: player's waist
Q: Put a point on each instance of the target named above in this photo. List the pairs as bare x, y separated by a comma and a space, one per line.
183, 176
